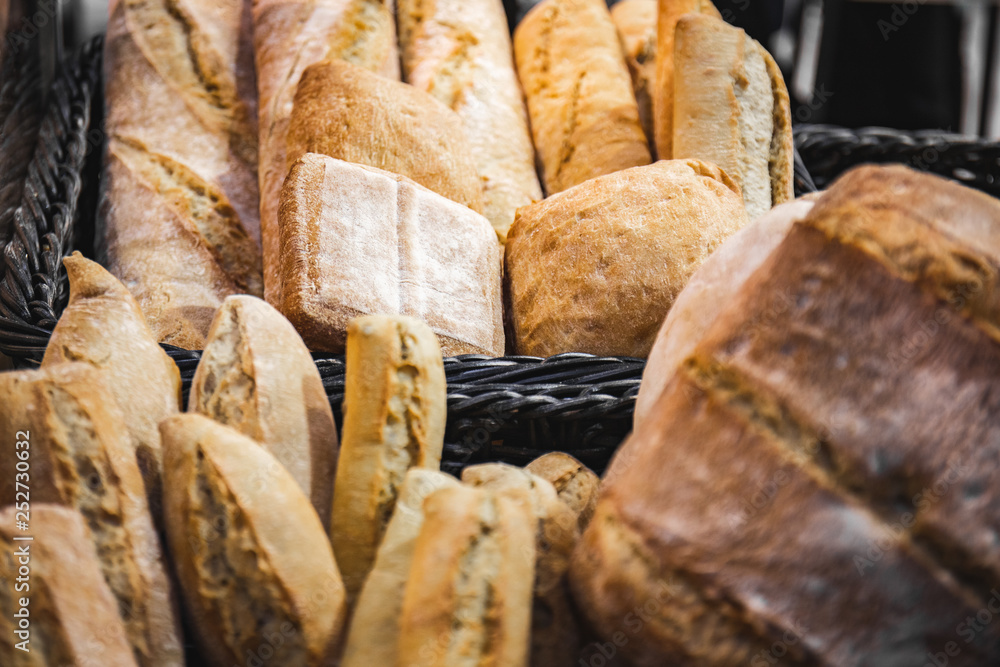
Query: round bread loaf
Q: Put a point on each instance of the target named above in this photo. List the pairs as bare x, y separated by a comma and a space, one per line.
817, 482
596, 268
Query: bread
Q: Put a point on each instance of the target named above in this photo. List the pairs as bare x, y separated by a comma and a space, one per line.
584, 116
636, 23
708, 293
257, 376
831, 439
596, 269
252, 558
576, 484
179, 200
468, 597
288, 37
668, 13
351, 114
555, 635
80, 457
62, 612
395, 408
415, 253
459, 51
373, 638
103, 326
731, 108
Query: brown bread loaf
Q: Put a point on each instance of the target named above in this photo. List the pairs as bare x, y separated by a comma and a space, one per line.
288, 37
81, 457
253, 561
820, 473
576, 484
180, 202
361, 241
257, 376
70, 616
636, 24
584, 116
459, 51
596, 268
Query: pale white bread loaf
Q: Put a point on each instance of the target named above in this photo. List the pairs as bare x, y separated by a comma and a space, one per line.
361, 241
460, 52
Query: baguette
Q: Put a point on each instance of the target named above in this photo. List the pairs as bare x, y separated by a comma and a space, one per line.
179, 200
399, 248
103, 326
373, 638
576, 484
257, 376
584, 116
731, 107
288, 37
252, 557
468, 597
636, 23
394, 417
80, 457
668, 13
72, 617
459, 51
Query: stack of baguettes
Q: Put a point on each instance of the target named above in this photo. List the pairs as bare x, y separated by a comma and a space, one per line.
343, 158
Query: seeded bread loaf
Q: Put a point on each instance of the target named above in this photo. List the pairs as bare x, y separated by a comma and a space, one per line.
823, 466
584, 116
459, 51
257, 376
636, 24
180, 201
62, 611
251, 556
576, 484
731, 108
468, 597
80, 456
103, 326
288, 37
395, 407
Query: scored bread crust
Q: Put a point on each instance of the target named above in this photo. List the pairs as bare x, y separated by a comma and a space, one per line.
288, 37
584, 117
636, 23
468, 597
81, 457
257, 376
251, 556
460, 52
828, 446
394, 418
179, 198
73, 615
576, 484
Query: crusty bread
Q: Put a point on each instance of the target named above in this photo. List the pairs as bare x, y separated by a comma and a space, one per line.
252, 558
351, 114
555, 634
636, 23
832, 438
361, 241
257, 376
731, 108
459, 51
668, 13
288, 37
708, 293
468, 597
373, 638
81, 457
596, 268
584, 116
576, 484
103, 326
395, 408
180, 202
71, 616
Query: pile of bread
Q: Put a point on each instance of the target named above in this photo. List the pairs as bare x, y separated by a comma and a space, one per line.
269, 147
